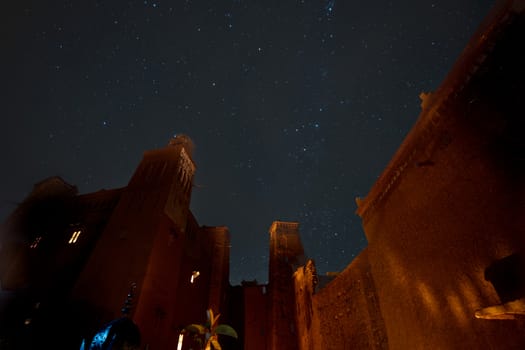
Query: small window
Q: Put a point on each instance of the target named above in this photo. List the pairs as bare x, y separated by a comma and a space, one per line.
194, 276
35, 242
74, 237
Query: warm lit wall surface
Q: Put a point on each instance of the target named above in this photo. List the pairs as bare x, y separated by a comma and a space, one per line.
286, 254
346, 312
450, 203
305, 281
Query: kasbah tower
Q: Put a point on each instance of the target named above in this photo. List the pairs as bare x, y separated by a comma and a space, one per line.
444, 267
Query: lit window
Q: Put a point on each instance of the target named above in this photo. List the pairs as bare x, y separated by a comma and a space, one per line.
35, 242
194, 276
74, 237
181, 338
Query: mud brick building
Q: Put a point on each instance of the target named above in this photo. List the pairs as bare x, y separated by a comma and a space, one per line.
444, 267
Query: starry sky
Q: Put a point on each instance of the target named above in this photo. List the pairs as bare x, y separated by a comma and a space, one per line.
295, 106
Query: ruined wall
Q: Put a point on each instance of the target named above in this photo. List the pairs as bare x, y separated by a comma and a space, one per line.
346, 311
450, 204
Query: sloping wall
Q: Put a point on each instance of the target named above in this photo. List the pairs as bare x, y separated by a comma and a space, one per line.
449, 207
345, 313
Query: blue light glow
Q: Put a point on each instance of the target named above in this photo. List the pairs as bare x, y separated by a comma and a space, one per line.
100, 338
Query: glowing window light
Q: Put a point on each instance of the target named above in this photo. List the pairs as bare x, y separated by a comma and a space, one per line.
35, 242
74, 237
194, 276
181, 338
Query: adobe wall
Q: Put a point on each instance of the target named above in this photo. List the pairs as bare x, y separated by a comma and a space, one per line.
120, 256
255, 317
162, 300
46, 209
431, 244
143, 244
219, 259
450, 206
305, 281
346, 312
286, 254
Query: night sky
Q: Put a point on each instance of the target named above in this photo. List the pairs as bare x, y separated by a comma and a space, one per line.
295, 106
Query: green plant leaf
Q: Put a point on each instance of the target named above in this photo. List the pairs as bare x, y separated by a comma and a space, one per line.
196, 328
224, 329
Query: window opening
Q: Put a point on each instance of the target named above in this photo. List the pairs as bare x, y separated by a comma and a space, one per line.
194, 276
74, 237
35, 242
